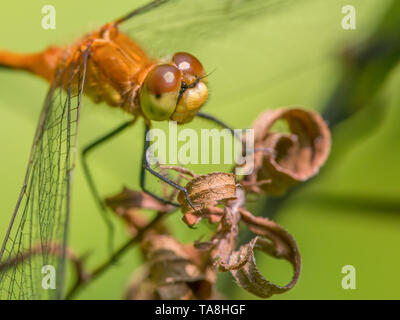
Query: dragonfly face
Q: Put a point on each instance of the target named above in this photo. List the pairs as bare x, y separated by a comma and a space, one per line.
174, 91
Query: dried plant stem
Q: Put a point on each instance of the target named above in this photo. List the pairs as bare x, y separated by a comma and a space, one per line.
51, 248
102, 267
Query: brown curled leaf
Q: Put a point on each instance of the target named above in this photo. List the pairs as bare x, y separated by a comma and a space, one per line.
283, 244
127, 205
227, 233
207, 190
271, 239
212, 214
284, 159
275, 241
248, 276
129, 199
173, 271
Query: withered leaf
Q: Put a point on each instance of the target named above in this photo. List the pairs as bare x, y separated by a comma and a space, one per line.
206, 191
284, 159
129, 199
173, 271
211, 213
270, 238
276, 242
128, 204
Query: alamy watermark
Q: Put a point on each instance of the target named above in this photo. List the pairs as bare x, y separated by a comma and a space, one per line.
205, 148
49, 278
48, 17
349, 280
349, 20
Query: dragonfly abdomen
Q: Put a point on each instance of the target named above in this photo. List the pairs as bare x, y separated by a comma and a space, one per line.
42, 64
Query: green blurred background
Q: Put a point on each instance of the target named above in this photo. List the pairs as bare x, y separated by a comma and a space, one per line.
290, 55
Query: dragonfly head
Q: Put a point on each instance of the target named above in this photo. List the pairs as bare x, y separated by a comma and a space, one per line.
175, 91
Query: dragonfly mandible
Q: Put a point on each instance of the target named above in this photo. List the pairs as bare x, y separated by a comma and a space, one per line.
107, 66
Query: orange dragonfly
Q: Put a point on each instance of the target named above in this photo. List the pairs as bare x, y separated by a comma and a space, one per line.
107, 66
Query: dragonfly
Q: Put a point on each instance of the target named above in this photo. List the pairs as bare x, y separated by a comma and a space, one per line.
105, 65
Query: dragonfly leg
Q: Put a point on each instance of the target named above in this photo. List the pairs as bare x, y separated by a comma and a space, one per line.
222, 124
90, 180
219, 122
146, 167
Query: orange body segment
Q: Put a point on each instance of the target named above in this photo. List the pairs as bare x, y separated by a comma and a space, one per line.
42, 64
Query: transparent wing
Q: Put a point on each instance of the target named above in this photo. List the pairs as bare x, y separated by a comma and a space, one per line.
181, 24
35, 241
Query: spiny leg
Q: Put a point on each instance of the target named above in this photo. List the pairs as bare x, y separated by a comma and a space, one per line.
221, 124
89, 177
224, 125
218, 122
146, 166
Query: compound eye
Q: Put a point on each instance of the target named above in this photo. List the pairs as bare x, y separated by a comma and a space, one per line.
162, 79
188, 64
160, 92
